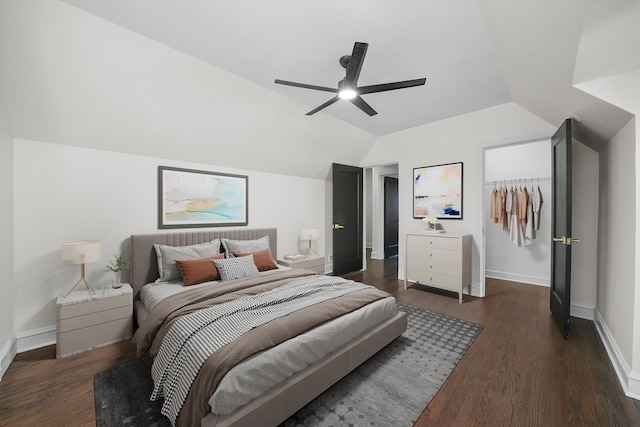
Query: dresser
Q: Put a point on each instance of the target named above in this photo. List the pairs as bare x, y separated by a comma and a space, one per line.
87, 321
439, 260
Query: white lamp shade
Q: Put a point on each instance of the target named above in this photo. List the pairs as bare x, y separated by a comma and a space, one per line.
81, 252
309, 234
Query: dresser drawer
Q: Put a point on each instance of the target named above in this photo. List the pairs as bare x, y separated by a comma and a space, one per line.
438, 242
451, 268
433, 278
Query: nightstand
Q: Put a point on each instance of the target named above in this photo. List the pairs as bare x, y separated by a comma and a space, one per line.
88, 321
310, 263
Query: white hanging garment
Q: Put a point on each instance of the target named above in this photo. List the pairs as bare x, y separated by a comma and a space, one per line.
516, 235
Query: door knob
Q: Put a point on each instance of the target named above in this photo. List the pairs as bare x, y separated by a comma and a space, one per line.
337, 226
566, 240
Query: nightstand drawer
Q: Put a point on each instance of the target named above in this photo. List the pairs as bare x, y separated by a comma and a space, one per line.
83, 339
91, 307
77, 322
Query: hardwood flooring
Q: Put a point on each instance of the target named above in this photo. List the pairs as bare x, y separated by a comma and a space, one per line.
518, 372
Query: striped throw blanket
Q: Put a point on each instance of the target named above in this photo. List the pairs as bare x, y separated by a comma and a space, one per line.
194, 337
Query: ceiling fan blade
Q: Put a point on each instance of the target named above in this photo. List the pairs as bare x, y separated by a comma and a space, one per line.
325, 105
355, 64
361, 104
391, 86
306, 86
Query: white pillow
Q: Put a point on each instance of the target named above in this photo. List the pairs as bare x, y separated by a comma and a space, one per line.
244, 246
167, 256
236, 268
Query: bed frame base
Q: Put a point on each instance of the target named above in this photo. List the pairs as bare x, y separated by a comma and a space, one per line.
287, 398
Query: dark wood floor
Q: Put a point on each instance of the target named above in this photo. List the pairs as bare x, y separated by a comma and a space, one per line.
518, 372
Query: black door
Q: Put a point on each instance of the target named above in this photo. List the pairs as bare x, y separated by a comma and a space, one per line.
390, 216
347, 218
560, 303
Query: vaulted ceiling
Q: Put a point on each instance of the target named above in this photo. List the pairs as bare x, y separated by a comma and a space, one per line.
474, 53
193, 80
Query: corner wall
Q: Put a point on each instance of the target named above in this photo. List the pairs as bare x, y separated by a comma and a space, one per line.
7, 302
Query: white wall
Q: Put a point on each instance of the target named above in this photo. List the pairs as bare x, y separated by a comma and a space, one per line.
447, 141
618, 299
504, 260
7, 283
617, 257
65, 193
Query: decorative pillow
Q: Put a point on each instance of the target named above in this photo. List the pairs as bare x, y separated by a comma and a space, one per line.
236, 268
262, 259
199, 270
167, 256
244, 246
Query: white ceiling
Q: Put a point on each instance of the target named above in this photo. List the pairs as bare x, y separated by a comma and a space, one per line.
474, 53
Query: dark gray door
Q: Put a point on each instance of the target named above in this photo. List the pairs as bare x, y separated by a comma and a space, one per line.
347, 218
560, 303
390, 216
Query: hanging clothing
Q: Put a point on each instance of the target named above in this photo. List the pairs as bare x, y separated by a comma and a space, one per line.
522, 210
529, 232
537, 205
515, 229
504, 220
493, 206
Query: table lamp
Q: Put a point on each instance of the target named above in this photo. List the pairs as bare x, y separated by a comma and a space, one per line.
81, 252
310, 234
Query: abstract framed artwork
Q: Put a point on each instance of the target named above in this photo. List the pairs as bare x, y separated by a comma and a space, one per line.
193, 198
437, 191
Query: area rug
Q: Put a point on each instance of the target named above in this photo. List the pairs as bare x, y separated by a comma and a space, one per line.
391, 388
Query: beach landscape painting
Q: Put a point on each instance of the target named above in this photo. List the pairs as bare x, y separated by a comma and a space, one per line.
437, 191
193, 198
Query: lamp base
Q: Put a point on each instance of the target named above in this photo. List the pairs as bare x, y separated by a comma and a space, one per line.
310, 249
82, 279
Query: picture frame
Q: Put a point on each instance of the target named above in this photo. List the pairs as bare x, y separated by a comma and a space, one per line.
437, 191
195, 198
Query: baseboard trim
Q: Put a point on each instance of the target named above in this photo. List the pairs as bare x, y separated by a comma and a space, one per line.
7, 354
513, 277
630, 381
36, 338
583, 312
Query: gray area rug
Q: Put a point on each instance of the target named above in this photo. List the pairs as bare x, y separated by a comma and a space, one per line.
391, 388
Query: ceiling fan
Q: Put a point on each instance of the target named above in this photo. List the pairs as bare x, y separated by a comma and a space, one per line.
348, 87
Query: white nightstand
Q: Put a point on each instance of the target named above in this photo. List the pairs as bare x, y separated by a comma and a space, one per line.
311, 263
88, 321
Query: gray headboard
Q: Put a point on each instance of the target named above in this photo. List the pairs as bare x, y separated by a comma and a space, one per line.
144, 263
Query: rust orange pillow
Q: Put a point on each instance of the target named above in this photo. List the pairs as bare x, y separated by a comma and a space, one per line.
198, 270
262, 259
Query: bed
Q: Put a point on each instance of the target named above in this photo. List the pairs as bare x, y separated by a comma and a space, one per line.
373, 324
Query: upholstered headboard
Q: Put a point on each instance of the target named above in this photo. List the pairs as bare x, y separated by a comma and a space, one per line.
144, 263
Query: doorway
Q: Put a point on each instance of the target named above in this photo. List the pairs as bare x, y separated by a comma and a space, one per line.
375, 177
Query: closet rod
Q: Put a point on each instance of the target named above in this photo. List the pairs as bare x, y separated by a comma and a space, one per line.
519, 180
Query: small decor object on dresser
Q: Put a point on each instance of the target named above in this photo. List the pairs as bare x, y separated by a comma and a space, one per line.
86, 321
117, 266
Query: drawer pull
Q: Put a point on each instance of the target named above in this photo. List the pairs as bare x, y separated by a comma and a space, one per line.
430, 255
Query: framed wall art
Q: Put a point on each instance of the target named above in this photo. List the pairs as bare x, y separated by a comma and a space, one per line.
193, 198
437, 191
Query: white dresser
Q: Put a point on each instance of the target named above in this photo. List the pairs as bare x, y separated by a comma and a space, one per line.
439, 260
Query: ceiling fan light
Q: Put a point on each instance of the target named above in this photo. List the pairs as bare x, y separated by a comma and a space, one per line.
347, 94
